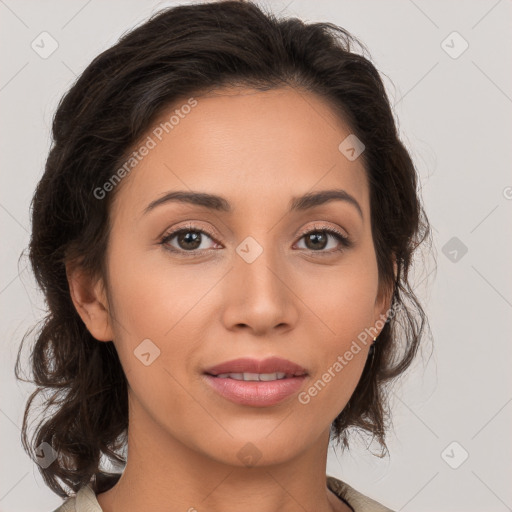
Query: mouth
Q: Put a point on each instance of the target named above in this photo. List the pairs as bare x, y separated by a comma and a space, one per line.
256, 383
263, 377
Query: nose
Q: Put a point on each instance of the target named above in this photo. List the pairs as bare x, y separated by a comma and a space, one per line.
259, 295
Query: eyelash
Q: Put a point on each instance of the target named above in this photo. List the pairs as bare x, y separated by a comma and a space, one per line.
345, 242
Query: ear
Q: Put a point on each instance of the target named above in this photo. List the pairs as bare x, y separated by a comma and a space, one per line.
384, 299
90, 301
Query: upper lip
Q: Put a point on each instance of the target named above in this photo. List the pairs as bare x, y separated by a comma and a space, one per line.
249, 365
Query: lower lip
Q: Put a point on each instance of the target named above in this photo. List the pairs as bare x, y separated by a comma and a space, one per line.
256, 393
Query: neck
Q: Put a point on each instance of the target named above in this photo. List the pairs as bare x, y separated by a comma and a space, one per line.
163, 474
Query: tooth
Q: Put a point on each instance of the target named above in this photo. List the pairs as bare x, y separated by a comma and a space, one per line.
237, 376
251, 376
269, 376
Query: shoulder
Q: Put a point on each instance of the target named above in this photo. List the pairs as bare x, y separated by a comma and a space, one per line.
84, 501
359, 502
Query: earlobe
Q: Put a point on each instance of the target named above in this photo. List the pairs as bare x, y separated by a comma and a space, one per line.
90, 301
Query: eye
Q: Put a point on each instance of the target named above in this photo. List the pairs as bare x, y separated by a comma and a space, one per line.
317, 239
189, 239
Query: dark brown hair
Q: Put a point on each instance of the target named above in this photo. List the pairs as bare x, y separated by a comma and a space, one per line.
179, 52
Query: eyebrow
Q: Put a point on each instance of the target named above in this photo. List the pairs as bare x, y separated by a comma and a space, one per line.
219, 203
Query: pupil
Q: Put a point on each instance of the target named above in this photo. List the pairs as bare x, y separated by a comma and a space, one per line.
192, 238
314, 238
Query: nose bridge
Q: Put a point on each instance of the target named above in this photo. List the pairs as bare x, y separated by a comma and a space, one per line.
257, 265
259, 296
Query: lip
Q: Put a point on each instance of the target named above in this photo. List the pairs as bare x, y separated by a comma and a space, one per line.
249, 365
256, 393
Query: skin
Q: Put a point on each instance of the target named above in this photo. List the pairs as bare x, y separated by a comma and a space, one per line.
258, 150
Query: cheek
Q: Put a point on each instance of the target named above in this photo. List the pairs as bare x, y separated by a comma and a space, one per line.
344, 305
152, 291
160, 301
340, 299
340, 357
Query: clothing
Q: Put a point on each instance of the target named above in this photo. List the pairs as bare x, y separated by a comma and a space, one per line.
354, 499
85, 499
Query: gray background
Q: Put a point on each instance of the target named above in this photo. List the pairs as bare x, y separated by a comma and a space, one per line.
454, 114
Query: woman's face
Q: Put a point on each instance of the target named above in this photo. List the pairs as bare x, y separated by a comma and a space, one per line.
252, 285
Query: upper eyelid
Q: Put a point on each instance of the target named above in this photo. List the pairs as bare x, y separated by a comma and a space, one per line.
324, 228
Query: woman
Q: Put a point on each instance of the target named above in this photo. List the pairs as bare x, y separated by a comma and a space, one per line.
223, 234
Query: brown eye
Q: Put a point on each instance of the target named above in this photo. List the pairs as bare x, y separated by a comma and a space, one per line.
317, 240
188, 239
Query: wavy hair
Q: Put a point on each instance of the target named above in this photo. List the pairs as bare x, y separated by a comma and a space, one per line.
178, 52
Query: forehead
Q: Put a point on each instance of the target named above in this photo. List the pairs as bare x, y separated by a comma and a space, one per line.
258, 148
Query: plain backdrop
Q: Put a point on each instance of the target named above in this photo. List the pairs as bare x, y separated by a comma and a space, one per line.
446, 66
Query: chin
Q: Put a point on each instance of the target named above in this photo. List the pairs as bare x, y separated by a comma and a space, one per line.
246, 450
